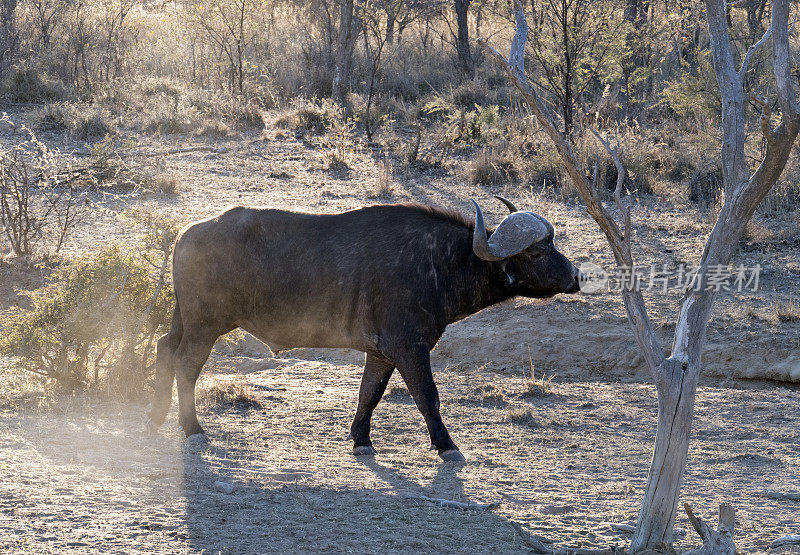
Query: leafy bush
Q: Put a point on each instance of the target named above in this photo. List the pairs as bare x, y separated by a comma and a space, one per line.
94, 325
478, 125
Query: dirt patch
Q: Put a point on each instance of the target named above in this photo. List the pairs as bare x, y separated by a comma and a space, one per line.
280, 477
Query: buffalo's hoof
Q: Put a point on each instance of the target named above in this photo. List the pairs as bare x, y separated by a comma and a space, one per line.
452, 455
193, 430
364, 451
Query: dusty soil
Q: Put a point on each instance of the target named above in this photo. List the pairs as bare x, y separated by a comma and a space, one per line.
277, 474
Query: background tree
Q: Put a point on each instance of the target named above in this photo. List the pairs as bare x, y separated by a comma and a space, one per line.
462, 35
572, 45
228, 24
47, 14
8, 35
349, 29
376, 37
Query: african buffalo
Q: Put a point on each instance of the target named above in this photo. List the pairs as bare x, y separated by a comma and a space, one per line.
386, 280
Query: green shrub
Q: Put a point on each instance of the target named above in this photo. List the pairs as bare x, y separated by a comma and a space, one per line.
478, 125
94, 325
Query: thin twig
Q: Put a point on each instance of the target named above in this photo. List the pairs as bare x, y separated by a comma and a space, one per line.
625, 210
754, 47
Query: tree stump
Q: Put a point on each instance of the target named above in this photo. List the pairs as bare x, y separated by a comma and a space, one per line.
715, 542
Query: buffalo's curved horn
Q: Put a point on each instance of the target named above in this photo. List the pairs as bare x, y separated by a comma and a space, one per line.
480, 245
508, 203
516, 232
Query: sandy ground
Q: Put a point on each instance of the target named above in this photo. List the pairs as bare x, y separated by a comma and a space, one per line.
278, 474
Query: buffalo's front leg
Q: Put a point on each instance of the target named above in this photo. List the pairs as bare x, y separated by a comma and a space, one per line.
415, 368
377, 372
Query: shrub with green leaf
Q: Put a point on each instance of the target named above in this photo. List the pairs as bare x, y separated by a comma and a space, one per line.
94, 325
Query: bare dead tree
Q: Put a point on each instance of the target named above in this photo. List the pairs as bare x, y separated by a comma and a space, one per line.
21, 225
715, 542
225, 24
676, 376
375, 40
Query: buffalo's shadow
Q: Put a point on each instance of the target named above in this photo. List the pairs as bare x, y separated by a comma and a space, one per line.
229, 513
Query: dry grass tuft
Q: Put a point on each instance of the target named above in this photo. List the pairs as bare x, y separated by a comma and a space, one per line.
338, 146
541, 387
490, 393
788, 310
165, 184
492, 167
398, 391
215, 128
217, 392
522, 417
309, 116
384, 188
84, 121
29, 84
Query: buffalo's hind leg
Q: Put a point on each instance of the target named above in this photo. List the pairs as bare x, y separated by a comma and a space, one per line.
415, 368
189, 360
377, 372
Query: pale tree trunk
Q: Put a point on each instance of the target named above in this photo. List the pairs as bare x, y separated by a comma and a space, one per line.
676, 377
349, 29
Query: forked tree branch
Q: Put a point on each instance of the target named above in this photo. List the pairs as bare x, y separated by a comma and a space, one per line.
715, 542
